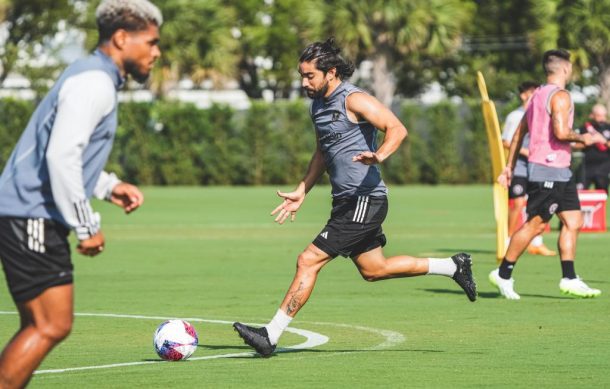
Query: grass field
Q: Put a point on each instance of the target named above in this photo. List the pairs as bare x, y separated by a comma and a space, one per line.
214, 253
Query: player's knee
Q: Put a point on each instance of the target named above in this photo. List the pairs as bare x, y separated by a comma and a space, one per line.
305, 262
372, 275
56, 330
540, 228
573, 224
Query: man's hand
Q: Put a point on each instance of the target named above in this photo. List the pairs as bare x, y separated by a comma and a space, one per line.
127, 196
368, 158
591, 138
505, 177
289, 207
92, 246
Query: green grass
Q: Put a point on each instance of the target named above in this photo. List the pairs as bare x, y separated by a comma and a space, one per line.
214, 253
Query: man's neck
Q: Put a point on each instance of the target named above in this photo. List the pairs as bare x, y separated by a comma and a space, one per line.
106, 49
332, 86
556, 80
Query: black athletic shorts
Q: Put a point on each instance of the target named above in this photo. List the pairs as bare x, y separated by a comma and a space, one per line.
354, 226
544, 199
35, 255
518, 187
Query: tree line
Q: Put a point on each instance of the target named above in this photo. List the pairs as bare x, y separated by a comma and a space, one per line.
407, 44
169, 143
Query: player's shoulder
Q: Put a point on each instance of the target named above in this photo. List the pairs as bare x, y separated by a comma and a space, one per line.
560, 97
516, 114
93, 82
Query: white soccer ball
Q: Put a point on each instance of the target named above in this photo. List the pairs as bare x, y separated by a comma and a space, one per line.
175, 340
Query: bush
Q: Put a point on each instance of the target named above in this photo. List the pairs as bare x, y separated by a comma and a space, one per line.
172, 143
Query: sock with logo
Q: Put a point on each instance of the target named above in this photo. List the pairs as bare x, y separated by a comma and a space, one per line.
441, 266
277, 325
567, 269
506, 269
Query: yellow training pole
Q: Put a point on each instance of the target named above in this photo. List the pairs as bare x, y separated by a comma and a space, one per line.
498, 161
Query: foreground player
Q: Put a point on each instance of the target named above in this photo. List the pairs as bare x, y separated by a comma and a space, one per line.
55, 168
551, 188
345, 120
517, 191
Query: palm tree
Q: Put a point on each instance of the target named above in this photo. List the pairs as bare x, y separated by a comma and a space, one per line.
583, 28
389, 32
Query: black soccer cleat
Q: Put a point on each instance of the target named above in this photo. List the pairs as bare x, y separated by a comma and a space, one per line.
463, 275
257, 338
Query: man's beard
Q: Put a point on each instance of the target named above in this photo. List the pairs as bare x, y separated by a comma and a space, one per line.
313, 94
132, 69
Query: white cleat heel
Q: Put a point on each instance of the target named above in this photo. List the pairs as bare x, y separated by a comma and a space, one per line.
505, 287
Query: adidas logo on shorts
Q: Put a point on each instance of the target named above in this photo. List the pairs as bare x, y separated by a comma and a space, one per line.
324, 235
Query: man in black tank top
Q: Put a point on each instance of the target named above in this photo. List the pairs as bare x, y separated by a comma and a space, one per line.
346, 120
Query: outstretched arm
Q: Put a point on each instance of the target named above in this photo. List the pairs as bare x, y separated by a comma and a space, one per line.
293, 200
362, 106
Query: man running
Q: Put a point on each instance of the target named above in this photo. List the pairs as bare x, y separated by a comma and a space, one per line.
517, 192
551, 188
55, 168
346, 119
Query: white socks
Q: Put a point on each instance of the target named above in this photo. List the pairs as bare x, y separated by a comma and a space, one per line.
277, 325
441, 266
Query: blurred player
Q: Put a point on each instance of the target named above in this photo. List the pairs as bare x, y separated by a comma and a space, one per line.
550, 188
55, 168
597, 156
518, 186
346, 119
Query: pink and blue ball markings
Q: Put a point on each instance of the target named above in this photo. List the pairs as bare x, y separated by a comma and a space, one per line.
169, 349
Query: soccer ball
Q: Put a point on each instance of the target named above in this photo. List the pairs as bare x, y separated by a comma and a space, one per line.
175, 340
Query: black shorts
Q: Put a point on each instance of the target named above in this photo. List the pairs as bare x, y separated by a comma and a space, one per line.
354, 226
35, 255
518, 187
547, 198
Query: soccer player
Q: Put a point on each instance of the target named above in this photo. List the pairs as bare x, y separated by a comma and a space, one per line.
518, 185
345, 120
56, 166
550, 188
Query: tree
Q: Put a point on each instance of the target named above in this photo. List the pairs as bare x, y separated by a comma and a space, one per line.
271, 37
29, 25
583, 28
392, 33
197, 42
498, 44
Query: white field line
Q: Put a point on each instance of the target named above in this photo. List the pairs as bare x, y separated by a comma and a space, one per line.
392, 338
313, 339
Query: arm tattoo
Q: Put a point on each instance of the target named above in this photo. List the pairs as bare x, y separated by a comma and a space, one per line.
294, 304
570, 135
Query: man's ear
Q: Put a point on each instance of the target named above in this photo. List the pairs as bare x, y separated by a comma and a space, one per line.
331, 74
119, 38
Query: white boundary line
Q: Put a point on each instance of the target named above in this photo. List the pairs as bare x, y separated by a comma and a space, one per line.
392, 338
313, 339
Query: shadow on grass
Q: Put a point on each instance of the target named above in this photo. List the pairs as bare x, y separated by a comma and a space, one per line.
496, 295
299, 351
463, 250
314, 351
219, 347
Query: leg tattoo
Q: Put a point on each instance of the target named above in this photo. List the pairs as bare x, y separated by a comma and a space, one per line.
294, 304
